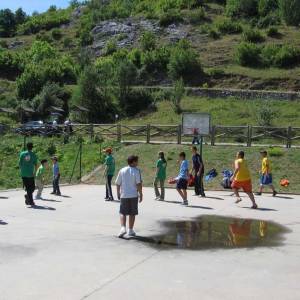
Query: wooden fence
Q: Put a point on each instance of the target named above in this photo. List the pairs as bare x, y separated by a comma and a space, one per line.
161, 134
220, 135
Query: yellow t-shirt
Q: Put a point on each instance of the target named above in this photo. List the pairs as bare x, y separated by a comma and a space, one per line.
265, 166
243, 173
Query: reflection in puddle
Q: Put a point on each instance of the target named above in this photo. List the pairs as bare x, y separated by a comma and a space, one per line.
217, 232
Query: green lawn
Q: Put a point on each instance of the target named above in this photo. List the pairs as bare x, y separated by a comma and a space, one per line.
224, 112
214, 157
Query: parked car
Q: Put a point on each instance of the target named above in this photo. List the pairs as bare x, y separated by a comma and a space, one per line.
32, 128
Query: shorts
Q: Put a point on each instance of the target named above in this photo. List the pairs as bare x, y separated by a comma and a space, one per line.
129, 206
266, 179
182, 184
245, 185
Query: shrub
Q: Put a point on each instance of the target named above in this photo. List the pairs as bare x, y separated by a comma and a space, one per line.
287, 56
110, 47
241, 8
196, 16
275, 152
228, 26
269, 20
67, 42
267, 6
253, 36
10, 64
265, 114
169, 17
3, 44
184, 63
272, 31
135, 56
268, 54
216, 73
56, 34
177, 95
290, 11
148, 41
248, 54
213, 33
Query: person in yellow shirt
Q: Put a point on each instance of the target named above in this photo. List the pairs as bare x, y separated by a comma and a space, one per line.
266, 174
241, 179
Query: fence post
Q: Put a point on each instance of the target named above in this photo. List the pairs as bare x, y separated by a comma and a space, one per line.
213, 135
91, 131
119, 133
148, 133
179, 134
249, 136
289, 137
80, 161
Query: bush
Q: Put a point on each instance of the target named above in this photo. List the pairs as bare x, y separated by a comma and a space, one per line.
253, 36
169, 17
213, 33
268, 54
196, 16
265, 114
67, 42
272, 31
148, 41
184, 63
56, 34
267, 6
11, 64
269, 20
248, 54
110, 47
228, 26
135, 56
177, 96
287, 56
241, 8
275, 152
290, 11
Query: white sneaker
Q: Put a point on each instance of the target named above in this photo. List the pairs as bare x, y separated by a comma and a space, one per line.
122, 232
131, 232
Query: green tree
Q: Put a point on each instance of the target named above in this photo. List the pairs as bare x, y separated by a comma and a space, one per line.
20, 16
148, 41
177, 95
7, 23
265, 7
290, 11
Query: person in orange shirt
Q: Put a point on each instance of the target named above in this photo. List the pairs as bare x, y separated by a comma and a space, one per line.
241, 179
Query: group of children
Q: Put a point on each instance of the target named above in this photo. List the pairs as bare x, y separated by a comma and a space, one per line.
34, 176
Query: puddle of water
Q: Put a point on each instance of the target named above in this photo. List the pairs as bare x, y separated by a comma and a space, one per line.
213, 232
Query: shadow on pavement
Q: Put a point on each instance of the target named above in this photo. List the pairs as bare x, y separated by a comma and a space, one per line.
65, 196
42, 207
1, 197
50, 200
261, 208
169, 201
202, 207
215, 198
3, 223
283, 197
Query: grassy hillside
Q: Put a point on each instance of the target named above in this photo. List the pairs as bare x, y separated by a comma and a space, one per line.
214, 157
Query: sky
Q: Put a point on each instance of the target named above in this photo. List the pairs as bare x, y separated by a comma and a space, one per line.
32, 5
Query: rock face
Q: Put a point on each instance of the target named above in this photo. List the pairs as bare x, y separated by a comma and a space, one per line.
15, 44
127, 32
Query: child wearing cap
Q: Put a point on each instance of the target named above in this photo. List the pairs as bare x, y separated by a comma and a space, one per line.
109, 173
266, 174
56, 176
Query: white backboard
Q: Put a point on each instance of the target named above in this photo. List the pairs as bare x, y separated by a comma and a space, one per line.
196, 124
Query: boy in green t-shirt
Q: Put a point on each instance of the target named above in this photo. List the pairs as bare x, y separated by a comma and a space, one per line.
109, 173
39, 178
28, 165
160, 177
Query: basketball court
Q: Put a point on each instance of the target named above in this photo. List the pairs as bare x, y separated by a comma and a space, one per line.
66, 248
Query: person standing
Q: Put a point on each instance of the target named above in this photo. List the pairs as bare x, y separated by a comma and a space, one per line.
182, 178
28, 167
241, 179
129, 189
39, 178
109, 173
56, 177
266, 178
160, 177
198, 171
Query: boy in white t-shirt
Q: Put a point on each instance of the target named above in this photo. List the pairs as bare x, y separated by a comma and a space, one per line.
129, 189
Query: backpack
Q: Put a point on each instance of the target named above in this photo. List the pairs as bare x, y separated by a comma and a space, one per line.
226, 182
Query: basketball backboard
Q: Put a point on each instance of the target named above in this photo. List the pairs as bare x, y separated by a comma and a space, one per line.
196, 124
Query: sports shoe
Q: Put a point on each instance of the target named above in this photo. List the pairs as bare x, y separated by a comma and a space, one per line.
186, 203
52, 193
131, 232
274, 194
157, 198
258, 194
254, 206
122, 232
203, 195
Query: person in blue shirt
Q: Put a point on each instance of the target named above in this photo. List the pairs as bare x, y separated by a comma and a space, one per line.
56, 177
182, 178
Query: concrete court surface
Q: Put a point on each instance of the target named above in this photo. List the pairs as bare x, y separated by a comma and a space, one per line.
67, 249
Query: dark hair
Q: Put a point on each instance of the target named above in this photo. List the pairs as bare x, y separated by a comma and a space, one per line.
131, 159
264, 152
194, 148
55, 158
241, 154
162, 156
182, 154
29, 146
43, 161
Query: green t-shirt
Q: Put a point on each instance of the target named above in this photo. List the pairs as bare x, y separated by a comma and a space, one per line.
110, 163
40, 172
27, 163
162, 166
